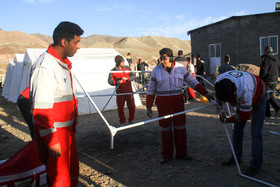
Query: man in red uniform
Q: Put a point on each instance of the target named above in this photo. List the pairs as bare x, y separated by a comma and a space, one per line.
123, 82
55, 106
167, 85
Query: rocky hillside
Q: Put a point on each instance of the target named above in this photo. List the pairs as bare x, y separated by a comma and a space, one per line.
145, 47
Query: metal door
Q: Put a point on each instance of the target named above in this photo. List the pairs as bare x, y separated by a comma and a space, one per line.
215, 57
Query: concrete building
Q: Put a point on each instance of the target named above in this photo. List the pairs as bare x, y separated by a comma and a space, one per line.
242, 37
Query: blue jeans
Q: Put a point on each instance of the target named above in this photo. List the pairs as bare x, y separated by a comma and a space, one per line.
257, 120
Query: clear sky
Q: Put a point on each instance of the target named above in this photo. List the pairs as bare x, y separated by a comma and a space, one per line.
171, 18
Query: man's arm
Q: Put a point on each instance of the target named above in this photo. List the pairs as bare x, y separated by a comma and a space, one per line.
131, 75
112, 81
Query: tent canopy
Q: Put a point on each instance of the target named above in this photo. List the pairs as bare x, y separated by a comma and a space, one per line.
31, 55
91, 66
8, 79
16, 76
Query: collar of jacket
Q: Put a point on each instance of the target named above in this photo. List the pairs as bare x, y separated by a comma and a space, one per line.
65, 63
169, 69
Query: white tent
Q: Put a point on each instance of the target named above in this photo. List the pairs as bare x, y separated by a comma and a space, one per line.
8, 78
91, 66
16, 76
31, 55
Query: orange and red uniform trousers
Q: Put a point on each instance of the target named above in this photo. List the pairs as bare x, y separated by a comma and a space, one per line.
123, 87
54, 117
166, 86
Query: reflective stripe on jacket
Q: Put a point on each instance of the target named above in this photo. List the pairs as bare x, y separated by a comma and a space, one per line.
250, 90
164, 83
125, 86
54, 101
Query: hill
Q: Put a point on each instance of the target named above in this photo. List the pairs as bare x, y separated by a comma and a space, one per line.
145, 47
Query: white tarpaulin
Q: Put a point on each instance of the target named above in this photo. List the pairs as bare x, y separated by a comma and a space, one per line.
16, 77
8, 79
30, 57
92, 66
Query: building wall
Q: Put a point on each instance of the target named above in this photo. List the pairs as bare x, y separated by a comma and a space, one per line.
239, 37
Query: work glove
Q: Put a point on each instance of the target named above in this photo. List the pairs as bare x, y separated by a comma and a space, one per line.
210, 97
220, 111
223, 117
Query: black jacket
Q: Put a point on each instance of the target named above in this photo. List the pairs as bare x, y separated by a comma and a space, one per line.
269, 70
200, 67
141, 66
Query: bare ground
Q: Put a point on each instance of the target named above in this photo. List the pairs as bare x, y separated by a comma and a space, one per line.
134, 161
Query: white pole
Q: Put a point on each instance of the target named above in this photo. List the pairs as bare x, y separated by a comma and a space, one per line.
235, 158
111, 128
159, 118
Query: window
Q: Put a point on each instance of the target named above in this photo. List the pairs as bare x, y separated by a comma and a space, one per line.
215, 50
269, 41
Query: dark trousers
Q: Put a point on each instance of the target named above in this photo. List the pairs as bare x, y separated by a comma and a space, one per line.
200, 80
257, 121
271, 99
24, 106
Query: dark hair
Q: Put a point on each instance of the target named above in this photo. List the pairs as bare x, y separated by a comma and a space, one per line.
227, 58
180, 52
128, 54
268, 49
188, 59
197, 55
224, 90
118, 60
166, 51
66, 30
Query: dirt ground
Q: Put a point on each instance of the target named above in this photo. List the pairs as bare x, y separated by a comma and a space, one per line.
134, 161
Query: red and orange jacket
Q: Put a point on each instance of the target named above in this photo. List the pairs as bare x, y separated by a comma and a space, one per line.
53, 97
125, 85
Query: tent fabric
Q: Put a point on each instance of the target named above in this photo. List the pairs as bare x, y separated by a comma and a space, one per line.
31, 55
91, 66
16, 76
24, 168
8, 79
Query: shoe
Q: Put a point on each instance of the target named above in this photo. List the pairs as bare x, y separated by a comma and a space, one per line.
230, 162
252, 171
184, 157
131, 122
164, 160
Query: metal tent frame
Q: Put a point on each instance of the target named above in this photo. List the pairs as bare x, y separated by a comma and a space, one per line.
113, 130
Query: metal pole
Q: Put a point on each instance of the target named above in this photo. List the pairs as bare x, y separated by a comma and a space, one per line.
159, 118
107, 103
204, 79
111, 128
235, 158
110, 98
